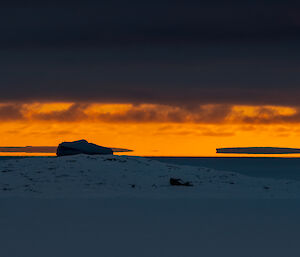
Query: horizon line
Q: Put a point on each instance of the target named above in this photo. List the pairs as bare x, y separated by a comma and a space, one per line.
44, 149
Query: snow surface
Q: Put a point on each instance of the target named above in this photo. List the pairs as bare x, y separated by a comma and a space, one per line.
123, 176
87, 206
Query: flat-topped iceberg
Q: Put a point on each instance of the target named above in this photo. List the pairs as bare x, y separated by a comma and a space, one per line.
81, 147
259, 150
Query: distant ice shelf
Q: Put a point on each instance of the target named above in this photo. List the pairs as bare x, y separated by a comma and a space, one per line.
259, 150
43, 149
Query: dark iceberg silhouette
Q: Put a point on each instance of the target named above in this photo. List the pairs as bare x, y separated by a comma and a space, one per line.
28, 149
81, 147
258, 150
44, 149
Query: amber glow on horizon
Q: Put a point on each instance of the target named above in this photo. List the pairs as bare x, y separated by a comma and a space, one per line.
149, 138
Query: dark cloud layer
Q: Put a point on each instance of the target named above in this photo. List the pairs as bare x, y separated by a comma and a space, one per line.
11, 112
120, 22
183, 53
185, 75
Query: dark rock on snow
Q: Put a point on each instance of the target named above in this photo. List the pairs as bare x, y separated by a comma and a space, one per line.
179, 182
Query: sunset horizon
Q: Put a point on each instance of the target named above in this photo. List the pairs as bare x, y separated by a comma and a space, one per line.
149, 128
187, 80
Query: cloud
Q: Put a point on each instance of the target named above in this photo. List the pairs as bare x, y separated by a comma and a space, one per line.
11, 112
191, 53
73, 113
271, 116
169, 114
247, 116
86, 23
167, 75
218, 134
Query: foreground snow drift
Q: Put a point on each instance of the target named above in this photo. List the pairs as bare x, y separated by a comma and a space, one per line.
149, 227
116, 176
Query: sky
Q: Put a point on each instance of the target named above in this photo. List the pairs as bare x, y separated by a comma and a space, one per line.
161, 78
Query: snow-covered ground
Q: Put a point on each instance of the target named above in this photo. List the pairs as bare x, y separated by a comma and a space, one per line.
123, 176
124, 206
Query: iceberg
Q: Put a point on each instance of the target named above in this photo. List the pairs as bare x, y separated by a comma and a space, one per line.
81, 147
259, 150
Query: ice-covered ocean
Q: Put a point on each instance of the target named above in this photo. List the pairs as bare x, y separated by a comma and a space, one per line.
266, 167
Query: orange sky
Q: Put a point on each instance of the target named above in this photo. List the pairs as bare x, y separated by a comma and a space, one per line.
52, 123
